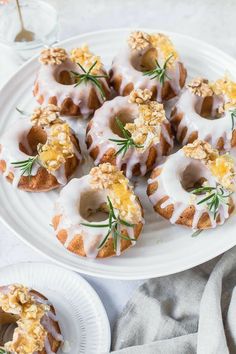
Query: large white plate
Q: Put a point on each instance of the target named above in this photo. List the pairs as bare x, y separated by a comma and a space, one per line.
83, 320
163, 249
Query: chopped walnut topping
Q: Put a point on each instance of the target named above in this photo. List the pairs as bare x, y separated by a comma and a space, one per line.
200, 150
53, 56
140, 96
44, 116
146, 129
84, 57
139, 40
200, 87
105, 175
223, 169
58, 147
29, 336
108, 177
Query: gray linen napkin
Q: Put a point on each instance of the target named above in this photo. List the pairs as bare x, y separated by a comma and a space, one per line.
189, 312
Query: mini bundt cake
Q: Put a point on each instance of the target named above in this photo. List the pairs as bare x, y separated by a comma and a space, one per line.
207, 111
39, 154
76, 82
98, 215
194, 187
148, 61
29, 320
130, 132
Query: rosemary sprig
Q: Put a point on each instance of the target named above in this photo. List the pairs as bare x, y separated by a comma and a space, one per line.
24, 113
3, 351
87, 76
196, 233
159, 72
26, 166
112, 226
214, 197
233, 116
125, 143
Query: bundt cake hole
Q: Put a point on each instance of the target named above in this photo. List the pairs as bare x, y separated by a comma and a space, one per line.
64, 77
145, 61
193, 176
7, 327
124, 116
29, 144
208, 107
93, 206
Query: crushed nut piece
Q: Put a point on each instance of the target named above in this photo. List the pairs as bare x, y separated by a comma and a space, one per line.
108, 177
140, 96
29, 336
44, 116
53, 56
139, 40
200, 87
200, 150
146, 129
84, 57
58, 147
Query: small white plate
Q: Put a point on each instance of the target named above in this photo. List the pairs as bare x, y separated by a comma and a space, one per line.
162, 248
81, 315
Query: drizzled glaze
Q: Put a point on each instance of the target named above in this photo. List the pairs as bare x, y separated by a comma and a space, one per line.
68, 206
49, 87
10, 152
210, 130
122, 67
169, 185
101, 132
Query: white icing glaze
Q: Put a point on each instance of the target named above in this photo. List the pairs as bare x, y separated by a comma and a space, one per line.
48, 86
68, 206
210, 130
169, 184
122, 66
101, 132
10, 152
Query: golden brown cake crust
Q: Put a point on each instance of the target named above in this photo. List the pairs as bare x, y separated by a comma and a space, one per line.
77, 244
43, 181
186, 217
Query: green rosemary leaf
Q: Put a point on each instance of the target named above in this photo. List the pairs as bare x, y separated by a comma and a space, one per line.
202, 189
104, 240
113, 225
111, 209
87, 76
233, 116
94, 225
123, 222
215, 199
24, 113
125, 142
196, 233
205, 199
159, 72
26, 166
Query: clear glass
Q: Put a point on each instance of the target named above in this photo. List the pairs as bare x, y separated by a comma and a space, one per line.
38, 17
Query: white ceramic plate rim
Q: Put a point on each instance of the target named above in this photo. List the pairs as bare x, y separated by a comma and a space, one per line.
106, 340
148, 272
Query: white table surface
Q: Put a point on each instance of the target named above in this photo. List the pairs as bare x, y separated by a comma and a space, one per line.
209, 20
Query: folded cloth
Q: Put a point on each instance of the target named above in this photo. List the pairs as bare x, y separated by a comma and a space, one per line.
190, 312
